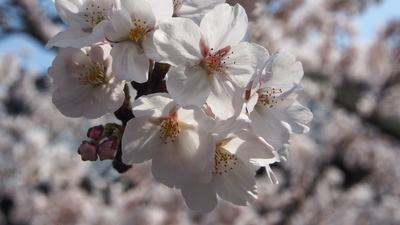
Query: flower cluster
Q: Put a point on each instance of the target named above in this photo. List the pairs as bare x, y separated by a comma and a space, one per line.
226, 108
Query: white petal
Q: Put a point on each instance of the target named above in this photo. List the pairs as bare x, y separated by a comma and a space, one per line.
150, 49
143, 10
247, 57
89, 101
141, 140
195, 117
156, 105
225, 128
179, 42
196, 9
162, 9
72, 37
188, 85
179, 161
282, 71
225, 99
267, 126
130, 63
224, 25
119, 25
251, 149
297, 117
236, 185
200, 196
70, 13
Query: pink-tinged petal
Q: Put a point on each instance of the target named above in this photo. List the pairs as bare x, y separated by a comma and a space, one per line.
200, 196
130, 63
225, 99
196, 118
266, 125
237, 185
179, 42
188, 85
72, 37
224, 26
297, 116
162, 9
70, 13
244, 61
179, 161
140, 141
157, 105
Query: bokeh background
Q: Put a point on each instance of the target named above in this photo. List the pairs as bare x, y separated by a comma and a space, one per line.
344, 171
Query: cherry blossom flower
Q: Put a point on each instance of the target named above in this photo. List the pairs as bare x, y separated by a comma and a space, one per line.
86, 20
177, 139
238, 154
210, 65
272, 106
194, 9
85, 83
131, 26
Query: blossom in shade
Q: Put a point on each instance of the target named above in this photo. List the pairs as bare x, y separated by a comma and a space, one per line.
210, 64
177, 139
131, 26
86, 20
194, 9
272, 105
238, 154
85, 83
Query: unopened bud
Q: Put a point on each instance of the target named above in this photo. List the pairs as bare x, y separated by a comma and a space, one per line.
87, 150
95, 132
108, 148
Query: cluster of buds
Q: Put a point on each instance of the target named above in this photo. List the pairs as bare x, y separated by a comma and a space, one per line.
103, 144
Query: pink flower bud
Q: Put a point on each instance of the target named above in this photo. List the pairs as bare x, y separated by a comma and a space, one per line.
108, 148
95, 132
87, 150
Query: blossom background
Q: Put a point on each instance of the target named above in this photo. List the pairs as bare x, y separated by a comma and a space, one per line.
344, 171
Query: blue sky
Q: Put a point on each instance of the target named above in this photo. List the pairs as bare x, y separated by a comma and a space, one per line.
375, 16
35, 57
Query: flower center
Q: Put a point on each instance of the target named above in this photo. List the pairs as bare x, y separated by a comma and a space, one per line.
224, 161
269, 97
94, 74
95, 14
216, 62
139, 32
170, 128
